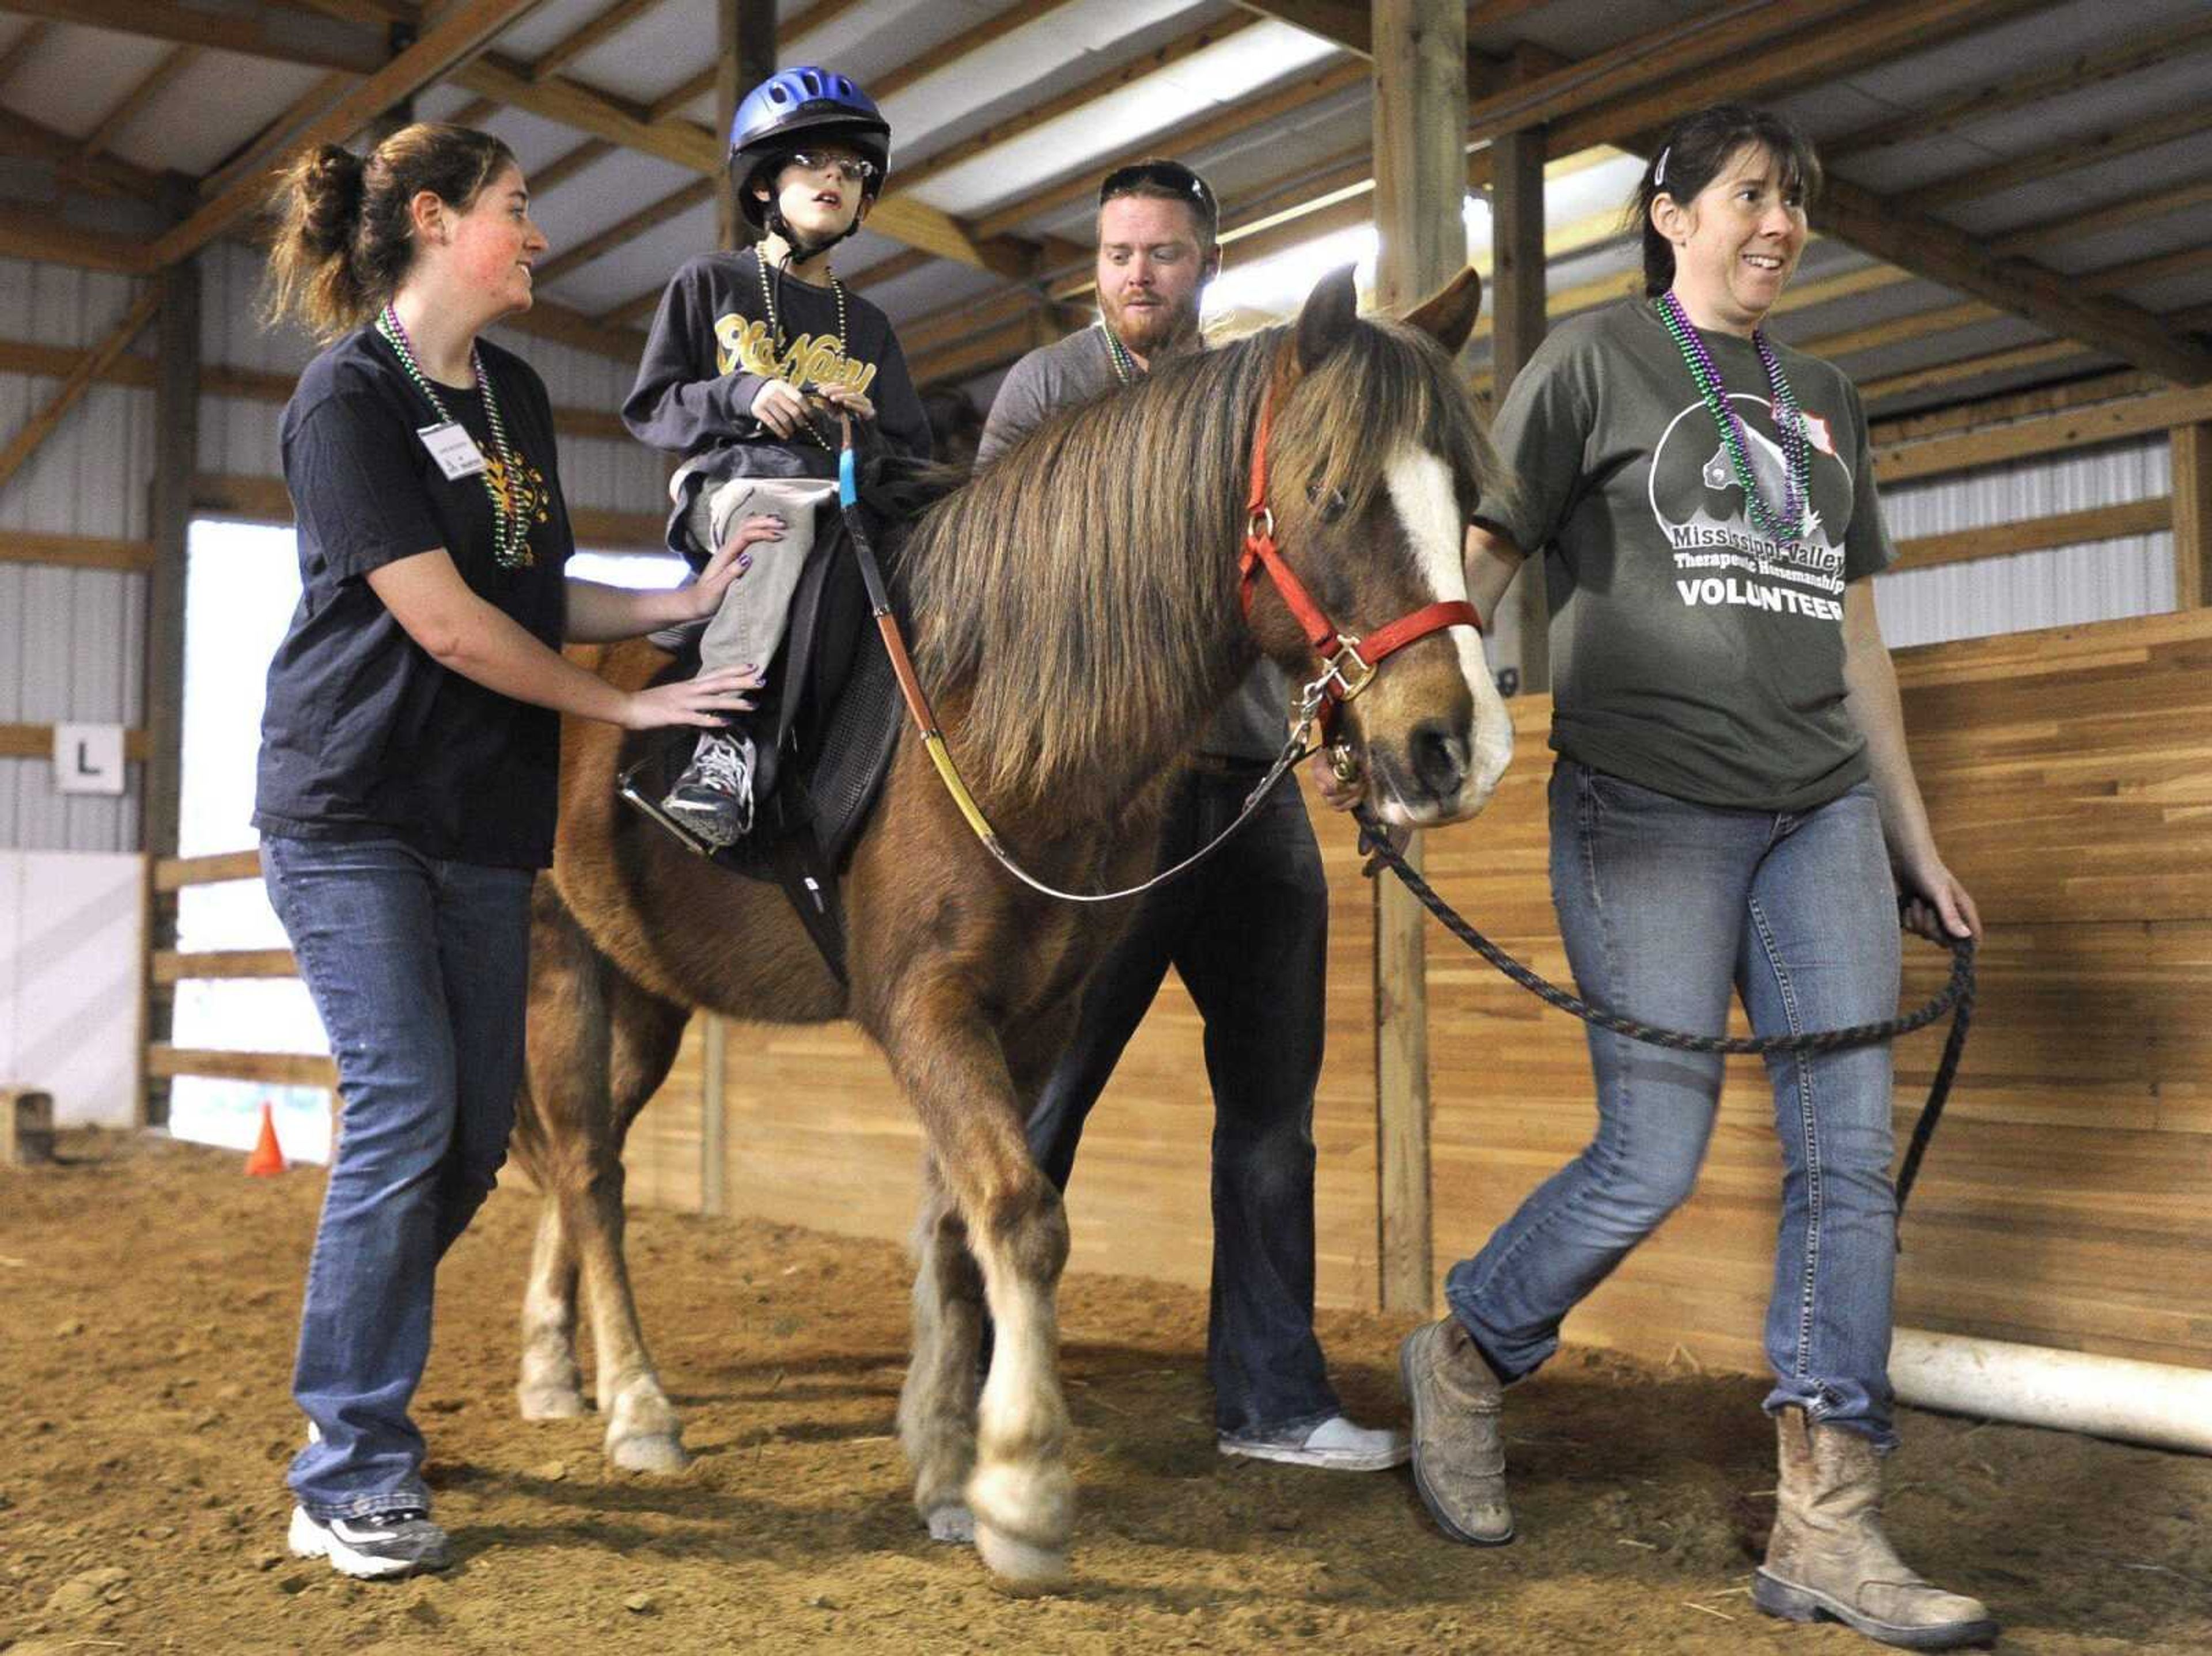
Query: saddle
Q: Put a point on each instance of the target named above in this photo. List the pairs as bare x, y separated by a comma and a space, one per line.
825, 728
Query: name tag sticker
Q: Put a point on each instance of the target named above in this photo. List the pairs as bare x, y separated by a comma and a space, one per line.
453, 449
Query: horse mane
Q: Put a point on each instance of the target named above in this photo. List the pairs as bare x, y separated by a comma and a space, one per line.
1079, 589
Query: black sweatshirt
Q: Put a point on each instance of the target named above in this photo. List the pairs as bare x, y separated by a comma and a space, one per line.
710, 353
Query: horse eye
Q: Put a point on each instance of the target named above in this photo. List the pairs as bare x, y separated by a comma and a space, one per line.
1330, 501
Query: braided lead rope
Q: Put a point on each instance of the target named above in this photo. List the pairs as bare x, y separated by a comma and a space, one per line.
1957, 998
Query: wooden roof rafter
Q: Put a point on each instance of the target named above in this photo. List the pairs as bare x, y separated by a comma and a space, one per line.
589, 37
132, 103
281, 35
462, 30
685, 143
2136, 209
19, 50
2112, 142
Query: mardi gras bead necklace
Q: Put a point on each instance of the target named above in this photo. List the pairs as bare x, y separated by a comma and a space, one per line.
775, 326
1788, 421
1125, 370
510, 528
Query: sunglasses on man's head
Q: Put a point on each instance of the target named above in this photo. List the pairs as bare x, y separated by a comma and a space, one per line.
1172, 176
846, 169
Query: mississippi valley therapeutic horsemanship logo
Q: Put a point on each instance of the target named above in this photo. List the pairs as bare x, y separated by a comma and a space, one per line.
1719, 558
810, 360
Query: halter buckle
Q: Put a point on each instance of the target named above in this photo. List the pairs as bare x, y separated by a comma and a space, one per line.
1349, 684
1259, 525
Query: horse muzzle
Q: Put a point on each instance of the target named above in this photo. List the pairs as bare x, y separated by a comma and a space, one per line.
1441, 772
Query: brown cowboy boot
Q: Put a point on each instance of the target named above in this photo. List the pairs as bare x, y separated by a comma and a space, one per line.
1828, 1558
1459, 1461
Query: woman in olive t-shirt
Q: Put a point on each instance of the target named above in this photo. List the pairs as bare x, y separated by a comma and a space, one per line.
1733, 811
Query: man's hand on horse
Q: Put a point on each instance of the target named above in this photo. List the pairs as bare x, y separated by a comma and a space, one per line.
731, 563
849, 401
1340, 787
779, 407
704, 701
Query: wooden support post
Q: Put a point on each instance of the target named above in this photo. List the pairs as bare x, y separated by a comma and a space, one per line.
2192, 516
176, 448
1420, 184
1516, 296
748, 42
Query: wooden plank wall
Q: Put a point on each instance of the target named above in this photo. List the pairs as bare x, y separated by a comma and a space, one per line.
2070, 776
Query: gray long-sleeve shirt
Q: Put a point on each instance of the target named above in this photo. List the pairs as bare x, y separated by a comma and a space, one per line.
1253, 723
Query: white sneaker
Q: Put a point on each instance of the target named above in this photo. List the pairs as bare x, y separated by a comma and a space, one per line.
1336, 1446
382, 1545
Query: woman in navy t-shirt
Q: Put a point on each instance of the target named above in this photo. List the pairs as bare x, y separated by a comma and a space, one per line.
409, 759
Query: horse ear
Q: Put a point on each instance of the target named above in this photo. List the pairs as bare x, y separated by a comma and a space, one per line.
1331, 313
1446, 316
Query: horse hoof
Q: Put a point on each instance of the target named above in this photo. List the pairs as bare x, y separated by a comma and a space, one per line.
1022, 1568
952, 1522
549, 1402
645, 1452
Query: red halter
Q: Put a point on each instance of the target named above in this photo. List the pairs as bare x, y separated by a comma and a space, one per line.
1348, 664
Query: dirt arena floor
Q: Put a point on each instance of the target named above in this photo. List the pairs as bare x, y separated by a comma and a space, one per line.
147, 1300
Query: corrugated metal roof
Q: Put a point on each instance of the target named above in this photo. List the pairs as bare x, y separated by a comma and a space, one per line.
1028, 53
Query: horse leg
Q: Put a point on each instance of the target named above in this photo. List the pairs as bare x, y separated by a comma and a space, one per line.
598, 1046
936, 1404
644, 1432
951, 1063
552, 1386
566, 1043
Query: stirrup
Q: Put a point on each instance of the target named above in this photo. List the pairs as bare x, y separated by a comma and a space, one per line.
627, 787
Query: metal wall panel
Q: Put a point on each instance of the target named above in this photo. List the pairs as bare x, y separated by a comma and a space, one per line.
71, 641
2064, 586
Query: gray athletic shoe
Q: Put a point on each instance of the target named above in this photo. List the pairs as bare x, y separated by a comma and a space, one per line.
713, 798
380, 1546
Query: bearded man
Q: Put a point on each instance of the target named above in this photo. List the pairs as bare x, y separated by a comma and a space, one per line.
1247, 930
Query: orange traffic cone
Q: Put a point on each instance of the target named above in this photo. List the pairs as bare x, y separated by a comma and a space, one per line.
265, 1161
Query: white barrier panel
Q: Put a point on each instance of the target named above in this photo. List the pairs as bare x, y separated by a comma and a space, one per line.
72, 951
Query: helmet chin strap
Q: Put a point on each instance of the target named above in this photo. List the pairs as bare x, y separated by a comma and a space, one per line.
802, 249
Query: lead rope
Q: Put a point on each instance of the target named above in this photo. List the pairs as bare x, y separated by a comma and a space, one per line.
1957, 998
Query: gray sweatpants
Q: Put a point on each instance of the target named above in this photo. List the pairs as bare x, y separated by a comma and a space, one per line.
757, 606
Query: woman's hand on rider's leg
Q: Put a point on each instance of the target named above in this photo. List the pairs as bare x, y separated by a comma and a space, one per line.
703, 701
730, 562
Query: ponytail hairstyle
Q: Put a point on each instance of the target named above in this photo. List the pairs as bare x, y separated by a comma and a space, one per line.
345, 227
1692, 156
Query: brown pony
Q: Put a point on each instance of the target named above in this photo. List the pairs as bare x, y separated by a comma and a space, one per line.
1078, 620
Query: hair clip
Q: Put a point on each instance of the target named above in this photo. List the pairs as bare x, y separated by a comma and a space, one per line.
1659, 173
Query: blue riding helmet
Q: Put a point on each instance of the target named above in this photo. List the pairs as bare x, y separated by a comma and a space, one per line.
792, 107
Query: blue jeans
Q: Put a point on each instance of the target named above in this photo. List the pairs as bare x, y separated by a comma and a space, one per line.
1247, 932
1665, 907
419, 969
